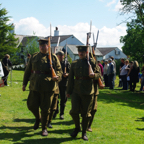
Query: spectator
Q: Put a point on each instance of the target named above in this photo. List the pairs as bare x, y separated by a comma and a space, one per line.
114, 69
110, 74
6, 63
103, 63
133, 73
123, 74
101, 67
121, 65
142, 79
105, 73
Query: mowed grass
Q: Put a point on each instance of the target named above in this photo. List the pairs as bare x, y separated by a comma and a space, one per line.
119, 119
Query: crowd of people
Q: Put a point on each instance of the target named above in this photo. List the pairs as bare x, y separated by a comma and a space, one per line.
129, 74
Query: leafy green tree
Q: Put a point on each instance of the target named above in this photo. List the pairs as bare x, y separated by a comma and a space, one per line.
133, 7
8, 42
133, 41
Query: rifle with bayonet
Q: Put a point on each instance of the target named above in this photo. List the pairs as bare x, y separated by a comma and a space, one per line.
49, 55
87, 44
100, 84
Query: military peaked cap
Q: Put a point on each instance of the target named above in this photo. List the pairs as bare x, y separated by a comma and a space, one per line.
82, 48
43, 41
61, 53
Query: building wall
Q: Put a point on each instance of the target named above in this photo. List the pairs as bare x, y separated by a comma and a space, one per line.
116, 56
71, 41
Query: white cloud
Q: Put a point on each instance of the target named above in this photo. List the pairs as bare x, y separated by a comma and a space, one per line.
118, 6
110, 3
107, 36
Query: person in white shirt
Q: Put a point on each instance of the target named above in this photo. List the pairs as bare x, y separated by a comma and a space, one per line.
105, 73
123, 74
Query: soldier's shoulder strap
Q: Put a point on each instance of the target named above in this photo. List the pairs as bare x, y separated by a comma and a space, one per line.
35, 54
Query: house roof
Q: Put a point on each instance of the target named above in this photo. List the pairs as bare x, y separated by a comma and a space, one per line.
62, 38
106, 50
73, 48
24, 39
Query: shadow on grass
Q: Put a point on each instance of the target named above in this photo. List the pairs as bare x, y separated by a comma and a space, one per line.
24, 120
140, 119
123, 97
47, 141
63, 122
24, 132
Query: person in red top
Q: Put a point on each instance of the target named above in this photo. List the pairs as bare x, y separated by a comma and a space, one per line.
101, 67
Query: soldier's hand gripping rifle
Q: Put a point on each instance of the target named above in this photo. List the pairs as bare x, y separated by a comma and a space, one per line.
91, 73
100, 84
54, 76
57, 45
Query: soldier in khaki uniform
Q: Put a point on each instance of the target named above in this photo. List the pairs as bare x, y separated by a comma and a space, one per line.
81, 88
62, 84
42, 85
94, 105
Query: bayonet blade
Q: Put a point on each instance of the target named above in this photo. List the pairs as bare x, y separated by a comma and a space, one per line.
97, 36
50, 32
93, 39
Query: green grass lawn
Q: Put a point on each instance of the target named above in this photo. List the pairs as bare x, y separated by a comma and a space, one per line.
119, 119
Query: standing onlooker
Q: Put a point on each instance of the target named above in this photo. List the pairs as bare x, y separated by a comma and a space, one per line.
121, 65
114, 63
101, 67
123, 74
142, 79
103, 62
133, 73
105, 73
110, 74
5, 63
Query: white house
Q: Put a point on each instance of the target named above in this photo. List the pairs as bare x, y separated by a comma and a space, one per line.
111, 51
73, 52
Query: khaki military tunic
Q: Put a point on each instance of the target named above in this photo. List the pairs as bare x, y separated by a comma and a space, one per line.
42, 87
81, 87
39, 63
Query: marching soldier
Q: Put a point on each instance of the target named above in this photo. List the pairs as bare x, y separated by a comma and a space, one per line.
63, 84
42, 84
53, 106
81, 89
94, 105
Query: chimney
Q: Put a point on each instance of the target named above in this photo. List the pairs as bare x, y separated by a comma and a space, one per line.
56, 32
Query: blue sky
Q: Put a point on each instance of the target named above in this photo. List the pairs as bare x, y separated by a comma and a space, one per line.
72, 17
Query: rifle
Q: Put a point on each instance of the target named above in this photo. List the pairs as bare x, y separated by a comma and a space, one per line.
65, 59
87, 44
57, 45
100, 84
49, 55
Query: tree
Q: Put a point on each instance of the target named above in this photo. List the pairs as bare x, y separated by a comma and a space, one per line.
8, 42
133, 41
134, 7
